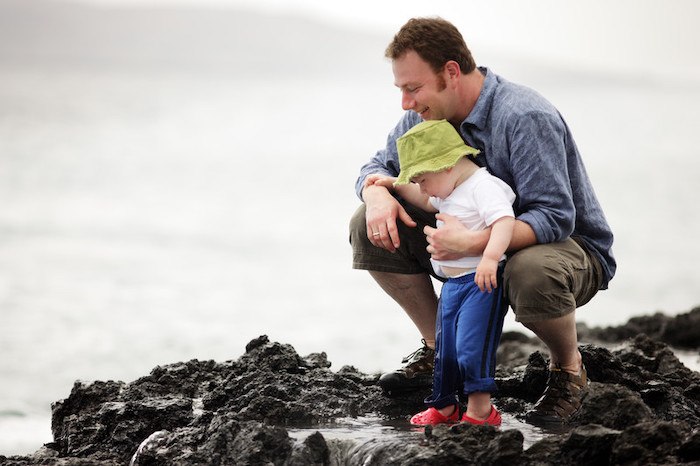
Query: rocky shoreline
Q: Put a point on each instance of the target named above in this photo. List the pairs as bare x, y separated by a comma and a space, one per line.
643, 408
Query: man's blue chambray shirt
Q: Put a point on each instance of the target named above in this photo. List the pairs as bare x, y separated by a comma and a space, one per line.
524, 141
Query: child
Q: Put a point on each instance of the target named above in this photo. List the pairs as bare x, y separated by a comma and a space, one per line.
432, 155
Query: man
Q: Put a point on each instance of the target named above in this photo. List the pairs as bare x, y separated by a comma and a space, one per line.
560, 254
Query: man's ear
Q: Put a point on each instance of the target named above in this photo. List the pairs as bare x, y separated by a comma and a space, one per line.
452, 69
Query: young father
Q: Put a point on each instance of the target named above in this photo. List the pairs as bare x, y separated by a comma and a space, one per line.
560, 254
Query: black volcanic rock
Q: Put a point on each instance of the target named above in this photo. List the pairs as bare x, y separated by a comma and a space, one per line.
681, 331
643, 407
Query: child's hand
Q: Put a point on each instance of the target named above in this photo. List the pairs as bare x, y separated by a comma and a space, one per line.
380, 180
485, 277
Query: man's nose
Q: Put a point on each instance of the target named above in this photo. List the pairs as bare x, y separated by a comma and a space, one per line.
407, 102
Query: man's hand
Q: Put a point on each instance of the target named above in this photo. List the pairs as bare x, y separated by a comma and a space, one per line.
382, 210
453, 240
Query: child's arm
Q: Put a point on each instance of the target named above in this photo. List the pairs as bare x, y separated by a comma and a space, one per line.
501, 233
411, 192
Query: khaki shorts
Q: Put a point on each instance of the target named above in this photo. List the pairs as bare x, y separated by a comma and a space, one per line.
543, 281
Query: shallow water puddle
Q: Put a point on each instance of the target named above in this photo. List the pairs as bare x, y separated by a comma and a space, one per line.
373, 429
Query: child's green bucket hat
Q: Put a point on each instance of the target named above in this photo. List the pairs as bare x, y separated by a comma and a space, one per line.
430, 146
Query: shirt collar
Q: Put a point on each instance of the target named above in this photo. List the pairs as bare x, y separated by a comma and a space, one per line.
479, 114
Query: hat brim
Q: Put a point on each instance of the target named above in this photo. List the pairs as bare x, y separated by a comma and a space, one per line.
436, 164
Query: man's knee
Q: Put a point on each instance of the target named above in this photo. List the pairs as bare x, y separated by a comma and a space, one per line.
537, 286
357, 221
529, 269
409, 258
364, 252
358, 224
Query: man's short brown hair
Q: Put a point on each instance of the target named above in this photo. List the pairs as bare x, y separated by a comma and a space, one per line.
434, 40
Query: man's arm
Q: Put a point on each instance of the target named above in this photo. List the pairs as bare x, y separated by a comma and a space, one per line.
523, 236
541, 176
410, 192
453, 240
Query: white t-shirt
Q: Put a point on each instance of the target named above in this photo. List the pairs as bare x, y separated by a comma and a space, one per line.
478, 202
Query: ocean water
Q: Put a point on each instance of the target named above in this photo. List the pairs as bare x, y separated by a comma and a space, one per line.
151, 215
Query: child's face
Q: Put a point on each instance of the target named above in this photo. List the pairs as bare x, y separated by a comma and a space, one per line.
436, 184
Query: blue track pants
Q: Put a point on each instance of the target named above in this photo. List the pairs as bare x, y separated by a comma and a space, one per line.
469, 325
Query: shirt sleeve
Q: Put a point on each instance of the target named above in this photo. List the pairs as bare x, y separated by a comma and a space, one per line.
540, 174
494, 199
386, 160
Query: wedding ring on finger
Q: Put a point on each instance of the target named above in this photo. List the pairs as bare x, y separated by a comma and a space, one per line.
376, 233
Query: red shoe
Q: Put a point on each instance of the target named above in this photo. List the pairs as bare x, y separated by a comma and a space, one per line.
494, 418
432, 416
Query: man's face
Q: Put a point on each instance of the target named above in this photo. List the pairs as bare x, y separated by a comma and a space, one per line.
422, 90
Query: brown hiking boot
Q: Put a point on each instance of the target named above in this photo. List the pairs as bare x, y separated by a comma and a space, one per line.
561, 399
417, 372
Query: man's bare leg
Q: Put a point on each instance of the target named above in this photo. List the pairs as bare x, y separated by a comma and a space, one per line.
559, 335
568, 381
416, 296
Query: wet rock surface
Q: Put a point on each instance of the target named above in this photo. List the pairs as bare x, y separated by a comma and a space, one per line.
643, 407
